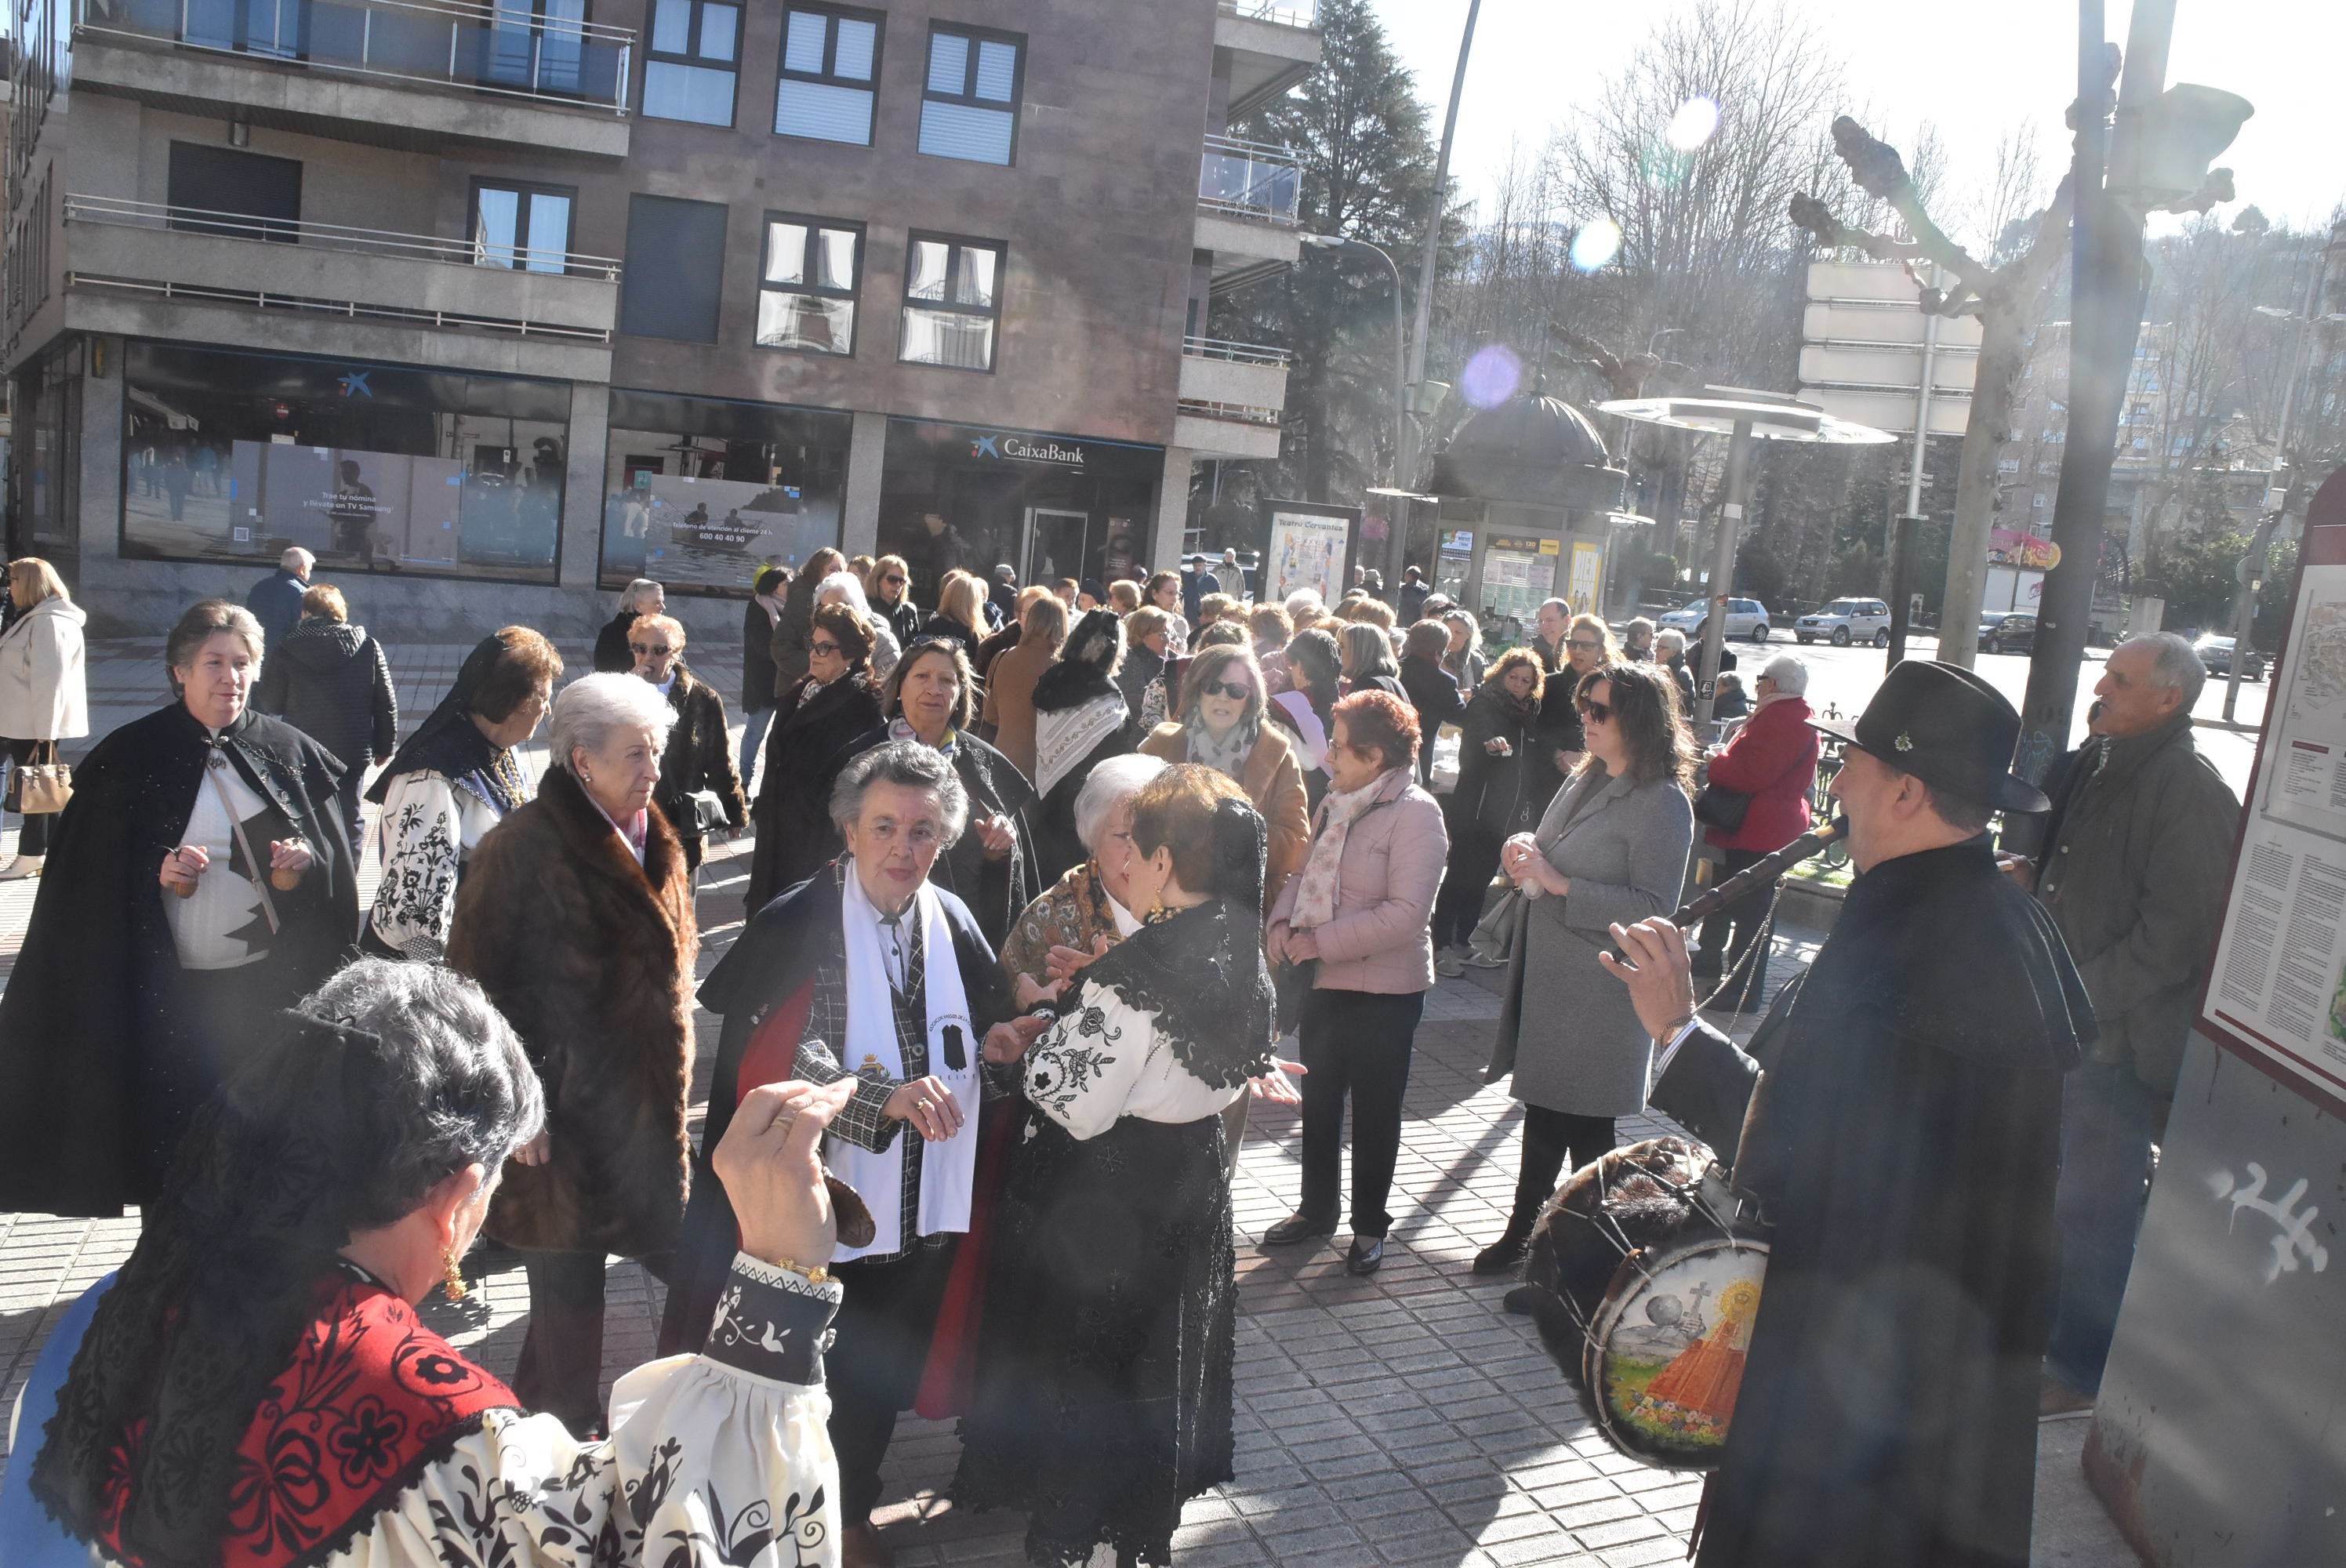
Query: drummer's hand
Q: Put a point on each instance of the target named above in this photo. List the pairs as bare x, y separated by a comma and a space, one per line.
2019, 868
1661, 982
1006, 1042
771, 1170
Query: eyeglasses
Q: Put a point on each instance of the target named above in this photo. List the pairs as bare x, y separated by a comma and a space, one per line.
650, 650
1236, 690
825, 646
1594, 711
1578, 645
893, 581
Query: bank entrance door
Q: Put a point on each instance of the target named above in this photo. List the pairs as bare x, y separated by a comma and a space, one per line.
1055, 545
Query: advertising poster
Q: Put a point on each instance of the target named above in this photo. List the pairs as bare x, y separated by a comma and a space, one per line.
712, 531
2278, 994
1307, 551
1588, 577
1518, 576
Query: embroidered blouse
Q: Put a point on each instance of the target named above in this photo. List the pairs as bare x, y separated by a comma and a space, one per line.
429, 828
1105, 1059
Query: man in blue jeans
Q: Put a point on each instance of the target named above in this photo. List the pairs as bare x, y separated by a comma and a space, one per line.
2132, 870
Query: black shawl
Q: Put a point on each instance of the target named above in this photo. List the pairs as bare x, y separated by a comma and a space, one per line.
792, 812
93, 1029
1904, 1143
450, 744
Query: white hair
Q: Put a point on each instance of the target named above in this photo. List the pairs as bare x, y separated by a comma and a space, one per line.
635, 594
1789, 672
297, 561
2175, 665
1304, 599
843, 584
913, 766
1670, 638
1109, 785
590, 708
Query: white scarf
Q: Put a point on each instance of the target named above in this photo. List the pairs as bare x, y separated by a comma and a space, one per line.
1314, 733
947, 1169
1066, 735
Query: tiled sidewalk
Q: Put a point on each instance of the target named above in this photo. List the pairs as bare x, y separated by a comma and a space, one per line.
1400, 1419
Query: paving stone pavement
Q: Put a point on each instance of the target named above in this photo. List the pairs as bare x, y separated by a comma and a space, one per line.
1400, 1419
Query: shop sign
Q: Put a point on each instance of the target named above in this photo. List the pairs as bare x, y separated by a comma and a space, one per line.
1529, 546
1015, 448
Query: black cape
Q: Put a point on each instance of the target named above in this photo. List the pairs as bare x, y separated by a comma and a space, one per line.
1903, 1142
792, 810
775, 956
101, 1061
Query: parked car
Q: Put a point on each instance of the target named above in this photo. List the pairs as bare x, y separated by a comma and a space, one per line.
1745, 618
2216, 657
2010, 632
1847, 621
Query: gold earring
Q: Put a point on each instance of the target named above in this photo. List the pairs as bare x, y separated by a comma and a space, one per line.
455, 1281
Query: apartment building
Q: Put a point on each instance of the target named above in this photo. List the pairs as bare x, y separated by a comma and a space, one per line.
494, 306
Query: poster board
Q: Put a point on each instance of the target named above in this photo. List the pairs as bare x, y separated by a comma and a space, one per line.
1310, 547
2276, 995
1587, 590
1519, 575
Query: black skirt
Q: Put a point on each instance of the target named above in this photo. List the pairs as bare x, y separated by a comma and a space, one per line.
1103, 1391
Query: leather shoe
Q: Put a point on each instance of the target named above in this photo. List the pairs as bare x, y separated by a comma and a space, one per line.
859, 1546
1520, 1300
1298, 1227
1368, 1252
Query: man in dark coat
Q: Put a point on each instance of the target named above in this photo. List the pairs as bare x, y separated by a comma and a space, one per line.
1902, 1145
331, 681
275, 601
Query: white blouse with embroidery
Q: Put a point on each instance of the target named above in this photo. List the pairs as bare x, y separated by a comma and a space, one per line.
429, 828
1105, 1059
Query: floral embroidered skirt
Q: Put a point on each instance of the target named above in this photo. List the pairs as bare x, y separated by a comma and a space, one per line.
1102, 1393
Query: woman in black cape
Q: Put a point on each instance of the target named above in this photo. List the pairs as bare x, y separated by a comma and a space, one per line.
131, 1000
833, 705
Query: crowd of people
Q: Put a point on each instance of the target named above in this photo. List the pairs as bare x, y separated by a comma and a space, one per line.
1046, 886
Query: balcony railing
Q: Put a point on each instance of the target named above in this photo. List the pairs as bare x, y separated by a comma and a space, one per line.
1237, 353
1250, 179
1285, 13
1235, 413
503, 47
337, 237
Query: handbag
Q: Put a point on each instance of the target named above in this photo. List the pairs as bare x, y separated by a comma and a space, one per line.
38, 788
1721, 808
708, 812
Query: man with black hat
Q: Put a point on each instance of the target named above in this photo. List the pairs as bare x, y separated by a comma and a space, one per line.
1900, 1141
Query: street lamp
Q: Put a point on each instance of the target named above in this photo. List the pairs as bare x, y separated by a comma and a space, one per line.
1399, 543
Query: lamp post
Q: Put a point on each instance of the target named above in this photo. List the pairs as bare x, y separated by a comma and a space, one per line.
1399, 477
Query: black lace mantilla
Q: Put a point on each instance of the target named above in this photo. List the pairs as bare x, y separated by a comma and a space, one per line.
1201, 972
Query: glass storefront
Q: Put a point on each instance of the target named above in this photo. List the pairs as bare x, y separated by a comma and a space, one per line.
45, 458
703, 493
231, 456
1051, 507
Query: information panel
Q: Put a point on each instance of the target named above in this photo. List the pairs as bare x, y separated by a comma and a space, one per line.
2278, 994
1308, 550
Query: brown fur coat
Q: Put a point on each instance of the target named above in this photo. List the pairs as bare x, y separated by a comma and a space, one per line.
590, 957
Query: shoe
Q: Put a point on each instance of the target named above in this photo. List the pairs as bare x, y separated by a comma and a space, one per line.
2056, 1397
1520, 1300
1367, 1254
1449, 963
21, 866
859, 1546
1298, 1227
1502, 1256
1478, 959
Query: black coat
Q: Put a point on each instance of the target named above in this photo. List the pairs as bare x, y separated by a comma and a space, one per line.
331, 681
101, 1058
794, 809
611, 655
1434, 693
700, 755
275, 602
1904, 1143
1501, 794
769, 968
946, 627
996, 892
903, 617
757, 659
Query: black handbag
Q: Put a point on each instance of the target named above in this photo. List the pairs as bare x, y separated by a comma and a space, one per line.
1721, 808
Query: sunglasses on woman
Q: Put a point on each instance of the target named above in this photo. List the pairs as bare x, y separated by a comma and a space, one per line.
1582, 645
893, 581
1236, 690
650, 650
1594, 711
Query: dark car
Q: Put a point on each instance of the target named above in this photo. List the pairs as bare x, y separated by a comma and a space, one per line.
2216, 657
2004, 634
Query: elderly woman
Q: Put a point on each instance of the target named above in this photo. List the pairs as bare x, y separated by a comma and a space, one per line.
44, 694
870, 976
1503, 768
1611, 848
1103, 1396
788, 650
1147, 653
1223, 704
1773, 760
1670, 653
576, 919
1638, 641
257, 1388
697, 773
1008, 714
1357, 915
642, 598
201, 879
932, 697
837, 702
846, 588
453, 780
1089, 908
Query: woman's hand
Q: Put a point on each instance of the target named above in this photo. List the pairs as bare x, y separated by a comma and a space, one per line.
1032, 992
1005, 1043
1062, 962
1276, 1086
183, 867
1516, 854
928, 1107
996, 833
771, 1170
1302, 946
536, 1151
1497, 746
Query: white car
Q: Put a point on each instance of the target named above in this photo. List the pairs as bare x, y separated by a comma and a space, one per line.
1745, 618
1847, 621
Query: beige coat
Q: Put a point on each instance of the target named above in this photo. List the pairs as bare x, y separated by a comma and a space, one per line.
43, 693
1274, 782
1010, 699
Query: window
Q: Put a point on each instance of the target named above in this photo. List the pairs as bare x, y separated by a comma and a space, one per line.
970, 108
520, 228
829, 60
700, 491
223, 185
953, 301
806, 296
690, 71
675, 268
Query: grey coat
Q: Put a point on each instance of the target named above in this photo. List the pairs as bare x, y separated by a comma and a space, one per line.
1625, 848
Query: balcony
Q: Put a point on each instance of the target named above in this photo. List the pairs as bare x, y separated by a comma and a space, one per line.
1232, 398
1271, 45
148, 269
1247, 198
407, 74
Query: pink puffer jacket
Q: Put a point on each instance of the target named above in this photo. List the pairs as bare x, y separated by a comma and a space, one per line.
1379, 941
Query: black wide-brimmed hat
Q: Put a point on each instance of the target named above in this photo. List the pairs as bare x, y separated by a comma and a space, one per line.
1946, 726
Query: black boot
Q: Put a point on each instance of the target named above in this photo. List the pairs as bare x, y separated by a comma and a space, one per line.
1503, 1255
